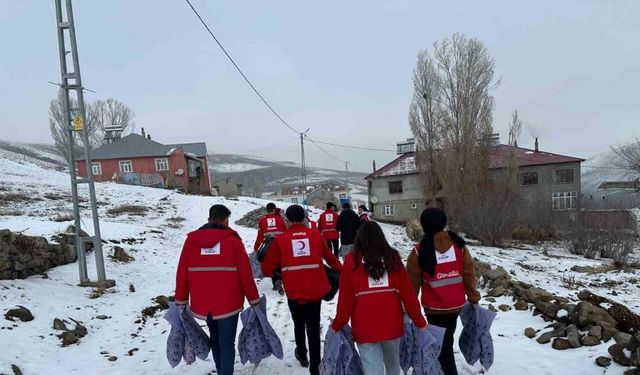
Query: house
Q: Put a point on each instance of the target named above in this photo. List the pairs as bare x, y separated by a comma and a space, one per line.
548, 181
227, 187
139, 160
299, 194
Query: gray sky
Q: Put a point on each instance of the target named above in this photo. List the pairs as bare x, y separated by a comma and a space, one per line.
341, 68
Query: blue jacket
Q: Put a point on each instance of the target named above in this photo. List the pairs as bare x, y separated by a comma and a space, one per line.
475, 340
420, 349
186, 339
340, 355
257, 339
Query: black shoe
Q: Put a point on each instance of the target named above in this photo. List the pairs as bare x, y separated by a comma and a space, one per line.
304, 362
278, 287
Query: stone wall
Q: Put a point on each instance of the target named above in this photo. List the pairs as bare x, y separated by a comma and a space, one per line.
22, 256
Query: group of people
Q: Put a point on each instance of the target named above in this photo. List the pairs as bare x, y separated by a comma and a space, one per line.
375, 288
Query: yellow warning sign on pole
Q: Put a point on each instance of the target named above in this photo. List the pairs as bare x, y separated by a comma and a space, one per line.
78, 125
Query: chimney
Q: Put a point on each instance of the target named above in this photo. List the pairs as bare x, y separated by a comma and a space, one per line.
536, 146
143, 134
149, 136
374, 166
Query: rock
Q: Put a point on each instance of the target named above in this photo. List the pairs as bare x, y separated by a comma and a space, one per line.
586, 314
130, 352
617, 352
5, 232
163, 302
545, 338
521, 305
68, 338
608, 331
573, 336
16, 370
504, 308
492, 308
503, 282
596, 331
490, 299
603, 361
530, 332
80, 330
622, 338
497, 292
103, 317
535, 294
633, 371
59, 325
113, 358
547, 308
561, 344
20, 312
498, 273
590, 341
120, 255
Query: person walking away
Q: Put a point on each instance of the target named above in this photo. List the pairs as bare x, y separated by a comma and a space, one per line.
374, 293
271, 225
300, 252
308, 222
363, 213
441, 268
327, 227
214, 276
348, 224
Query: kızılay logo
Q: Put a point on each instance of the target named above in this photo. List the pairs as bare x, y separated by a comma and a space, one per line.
447, 275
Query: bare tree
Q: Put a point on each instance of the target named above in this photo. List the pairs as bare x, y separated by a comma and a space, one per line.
112, 112
451, 115
629, 154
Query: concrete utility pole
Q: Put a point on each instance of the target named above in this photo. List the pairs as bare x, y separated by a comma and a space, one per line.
75, 119
346, 179
304, 168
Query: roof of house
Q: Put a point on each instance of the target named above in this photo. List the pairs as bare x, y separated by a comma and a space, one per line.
137, 146
405, 164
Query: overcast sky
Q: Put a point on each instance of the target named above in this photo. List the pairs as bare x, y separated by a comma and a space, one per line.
341, 68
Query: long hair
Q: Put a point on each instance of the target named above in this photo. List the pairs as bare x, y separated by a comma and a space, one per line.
372, 249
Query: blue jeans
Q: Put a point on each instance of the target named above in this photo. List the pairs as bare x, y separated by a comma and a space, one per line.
380, 358
223, 342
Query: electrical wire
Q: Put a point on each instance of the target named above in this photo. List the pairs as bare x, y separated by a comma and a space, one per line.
355, 147
240, 70
315, 143
270, 146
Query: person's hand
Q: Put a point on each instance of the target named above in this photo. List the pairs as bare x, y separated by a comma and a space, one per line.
422, 336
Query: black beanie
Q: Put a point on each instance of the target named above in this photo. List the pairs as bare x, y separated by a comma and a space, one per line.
432, 220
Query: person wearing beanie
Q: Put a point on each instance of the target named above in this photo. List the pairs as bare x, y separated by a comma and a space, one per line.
300, 252
271, 225
441, 268
363, 212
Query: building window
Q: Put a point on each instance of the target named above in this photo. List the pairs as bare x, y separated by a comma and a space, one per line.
529, 178
125, 166
564, 176
96, 168
389, 210
343, 196
294, 200
565, 201
162, 164
395, 187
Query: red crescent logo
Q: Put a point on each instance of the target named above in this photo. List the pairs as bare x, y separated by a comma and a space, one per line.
303, 245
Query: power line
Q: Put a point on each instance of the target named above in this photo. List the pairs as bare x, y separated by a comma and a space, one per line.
356, 147
315, 143
240, 70
270, 146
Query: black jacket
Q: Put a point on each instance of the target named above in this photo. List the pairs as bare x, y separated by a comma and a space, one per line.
348, 224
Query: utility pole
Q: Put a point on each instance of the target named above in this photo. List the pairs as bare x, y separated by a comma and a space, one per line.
346, 179
304, 167
72, 83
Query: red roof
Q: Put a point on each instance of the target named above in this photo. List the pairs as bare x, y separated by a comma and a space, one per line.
405, 164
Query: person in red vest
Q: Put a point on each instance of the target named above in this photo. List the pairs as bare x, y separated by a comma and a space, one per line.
374, 293
214, 256
300, 252
327, 226
308, 222
363, 212
441, 268
271, 225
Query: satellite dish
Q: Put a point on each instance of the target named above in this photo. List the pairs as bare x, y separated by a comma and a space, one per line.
374, 199
180, 172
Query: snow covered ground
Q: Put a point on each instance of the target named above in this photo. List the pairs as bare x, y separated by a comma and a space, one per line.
34, 347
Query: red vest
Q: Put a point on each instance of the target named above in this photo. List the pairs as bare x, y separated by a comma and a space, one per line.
327, 225
301, 260
445, 289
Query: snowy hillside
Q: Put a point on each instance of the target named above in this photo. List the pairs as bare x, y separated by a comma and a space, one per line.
119, 341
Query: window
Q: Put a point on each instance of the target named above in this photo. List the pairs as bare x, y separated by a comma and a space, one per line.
529, 178
389, 210
294, 200
564, 176
565, 201
343, 196
162, 164
96, 168
395, 187
125, 166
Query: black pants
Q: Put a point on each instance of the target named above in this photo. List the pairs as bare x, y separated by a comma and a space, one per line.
449, 322
306, 317
335, 246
